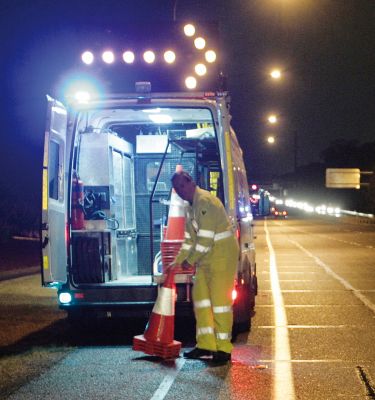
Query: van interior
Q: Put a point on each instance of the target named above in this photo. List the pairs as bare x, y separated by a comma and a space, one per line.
124, 159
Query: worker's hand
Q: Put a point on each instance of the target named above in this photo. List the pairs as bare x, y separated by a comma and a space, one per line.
185, 265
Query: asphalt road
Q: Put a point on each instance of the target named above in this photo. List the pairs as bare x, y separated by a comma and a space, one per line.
312, 336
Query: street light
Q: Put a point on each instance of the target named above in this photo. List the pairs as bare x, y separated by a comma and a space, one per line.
271, 139
275, 74
272, 119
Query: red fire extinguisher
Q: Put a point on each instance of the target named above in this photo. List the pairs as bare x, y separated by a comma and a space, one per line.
78, 216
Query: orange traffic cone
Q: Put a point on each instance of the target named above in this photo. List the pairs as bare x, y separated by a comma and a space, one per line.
158, 337
176, 218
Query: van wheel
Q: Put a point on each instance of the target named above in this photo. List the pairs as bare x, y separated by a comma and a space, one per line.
242, 310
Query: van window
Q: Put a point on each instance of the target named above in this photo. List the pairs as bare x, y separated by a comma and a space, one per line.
53, 170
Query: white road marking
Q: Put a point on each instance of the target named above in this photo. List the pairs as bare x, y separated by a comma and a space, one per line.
346, 284
283, 384
167, 382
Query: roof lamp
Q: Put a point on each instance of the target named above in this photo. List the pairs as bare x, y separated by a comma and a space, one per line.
87, 57
128, 57
199, 43
191, 82
169, 56
108, 57
149, 56
210, 56
200, 69
82, 96
272, 119
160, 118
275, 74
189, 30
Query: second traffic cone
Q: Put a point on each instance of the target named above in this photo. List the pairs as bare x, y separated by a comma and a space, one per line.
158, 336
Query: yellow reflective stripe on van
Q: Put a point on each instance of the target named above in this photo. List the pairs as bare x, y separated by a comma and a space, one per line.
45, 189
230, 170
45, 262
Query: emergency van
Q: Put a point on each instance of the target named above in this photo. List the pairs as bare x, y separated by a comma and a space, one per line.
106, 197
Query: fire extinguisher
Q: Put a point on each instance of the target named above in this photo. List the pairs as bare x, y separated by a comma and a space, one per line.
78, 216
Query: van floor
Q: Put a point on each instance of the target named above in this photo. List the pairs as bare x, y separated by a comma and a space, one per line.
131, 280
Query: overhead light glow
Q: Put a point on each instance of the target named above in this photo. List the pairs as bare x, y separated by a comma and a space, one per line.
189, 30
169, 56
160, 118
275, 74
108, 57
82, 96
199, 43
200, 69
271, 139
128, 57
149, 56
210, 56
87, 57
191, 82
272, 119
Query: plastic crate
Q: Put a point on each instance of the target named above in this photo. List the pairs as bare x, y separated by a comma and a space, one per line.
171, 350
169, 250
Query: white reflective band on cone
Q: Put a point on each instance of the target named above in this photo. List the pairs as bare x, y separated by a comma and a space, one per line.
165, 302
223, 336
202, 303
222, 309
205, 330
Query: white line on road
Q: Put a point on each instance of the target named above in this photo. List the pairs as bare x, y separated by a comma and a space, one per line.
167, 382
283, 384
329, 271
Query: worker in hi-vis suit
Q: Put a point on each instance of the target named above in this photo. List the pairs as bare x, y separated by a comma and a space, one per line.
210, 244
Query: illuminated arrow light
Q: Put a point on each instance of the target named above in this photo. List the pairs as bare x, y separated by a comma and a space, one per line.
199, 43
200, 69
149, 56
87, 57
191, 82
210, 56
128, 57
169, 56
189, 30
108, 57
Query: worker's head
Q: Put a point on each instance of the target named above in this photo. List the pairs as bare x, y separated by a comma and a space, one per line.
184, 185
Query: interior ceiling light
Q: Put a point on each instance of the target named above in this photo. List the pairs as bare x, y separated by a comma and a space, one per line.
161, 118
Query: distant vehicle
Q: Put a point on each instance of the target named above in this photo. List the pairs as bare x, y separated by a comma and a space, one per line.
106, 193
280, 213
260, 202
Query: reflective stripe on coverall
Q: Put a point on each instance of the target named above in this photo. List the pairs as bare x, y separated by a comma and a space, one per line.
211, 245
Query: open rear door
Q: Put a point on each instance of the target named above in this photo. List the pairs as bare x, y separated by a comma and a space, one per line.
54, 196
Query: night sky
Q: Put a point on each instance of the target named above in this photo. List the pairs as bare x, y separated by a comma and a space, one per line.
325, 48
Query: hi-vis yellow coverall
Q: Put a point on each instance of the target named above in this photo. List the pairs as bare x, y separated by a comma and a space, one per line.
211, 245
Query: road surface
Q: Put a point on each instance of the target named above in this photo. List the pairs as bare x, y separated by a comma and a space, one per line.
312, 335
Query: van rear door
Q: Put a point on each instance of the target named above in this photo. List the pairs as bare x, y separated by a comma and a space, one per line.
54, 196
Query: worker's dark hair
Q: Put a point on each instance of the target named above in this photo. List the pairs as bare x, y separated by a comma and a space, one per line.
183, 174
